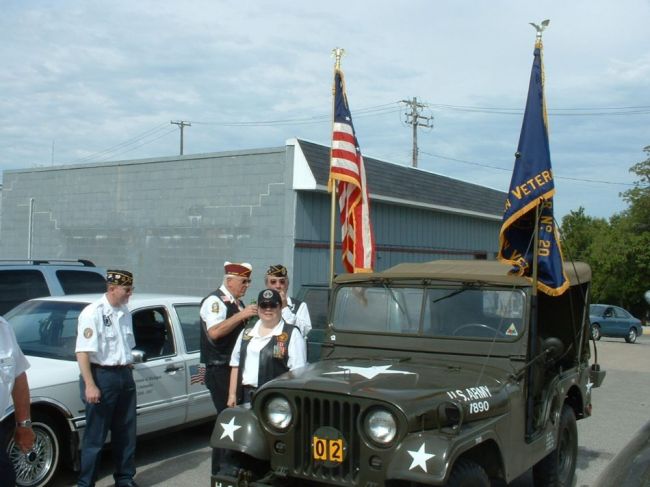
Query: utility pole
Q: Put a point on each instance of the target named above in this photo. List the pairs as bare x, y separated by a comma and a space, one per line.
181, 125
416, 120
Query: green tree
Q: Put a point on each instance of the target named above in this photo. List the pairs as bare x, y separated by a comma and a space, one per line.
618, 250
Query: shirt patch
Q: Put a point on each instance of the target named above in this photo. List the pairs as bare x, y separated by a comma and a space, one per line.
247, 334
215, 307
88, 332
283, 337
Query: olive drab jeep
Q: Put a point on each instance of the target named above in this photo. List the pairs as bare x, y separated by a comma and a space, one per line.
442, 373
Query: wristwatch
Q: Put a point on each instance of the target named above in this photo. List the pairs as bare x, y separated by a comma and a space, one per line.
24, 424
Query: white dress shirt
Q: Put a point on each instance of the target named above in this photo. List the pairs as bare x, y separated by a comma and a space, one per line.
297, 353
12, 363
106, 332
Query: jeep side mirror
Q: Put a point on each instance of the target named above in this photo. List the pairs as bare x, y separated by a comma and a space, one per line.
553, 348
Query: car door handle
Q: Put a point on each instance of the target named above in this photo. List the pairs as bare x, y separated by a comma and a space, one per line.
173, 368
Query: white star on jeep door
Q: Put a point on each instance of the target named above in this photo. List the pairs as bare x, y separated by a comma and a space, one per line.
367, 372
229, 429
420, 458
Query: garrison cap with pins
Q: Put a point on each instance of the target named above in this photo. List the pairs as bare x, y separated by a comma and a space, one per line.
243, 269
119, 277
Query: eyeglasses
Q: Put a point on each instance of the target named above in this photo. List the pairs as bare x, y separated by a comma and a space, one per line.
268, 306
281, 280
245, 281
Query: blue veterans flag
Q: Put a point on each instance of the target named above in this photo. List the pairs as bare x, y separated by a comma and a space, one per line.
531, 191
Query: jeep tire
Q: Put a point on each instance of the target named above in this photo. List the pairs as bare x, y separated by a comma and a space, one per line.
558, 468
467, 473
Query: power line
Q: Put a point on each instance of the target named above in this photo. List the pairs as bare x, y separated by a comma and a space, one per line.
487, 166
116, 147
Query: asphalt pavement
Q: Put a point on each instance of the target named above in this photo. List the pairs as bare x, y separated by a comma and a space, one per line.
621, 408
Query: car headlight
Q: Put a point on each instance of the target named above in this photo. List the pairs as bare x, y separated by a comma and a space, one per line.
277, 412
380, 426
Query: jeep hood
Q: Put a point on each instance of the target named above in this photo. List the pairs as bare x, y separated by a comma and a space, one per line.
410, 385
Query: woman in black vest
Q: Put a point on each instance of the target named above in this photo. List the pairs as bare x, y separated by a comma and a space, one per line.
265, 350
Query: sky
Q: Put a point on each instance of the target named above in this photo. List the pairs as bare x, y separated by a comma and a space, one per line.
91, 81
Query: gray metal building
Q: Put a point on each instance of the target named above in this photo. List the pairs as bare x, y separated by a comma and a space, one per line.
174, 220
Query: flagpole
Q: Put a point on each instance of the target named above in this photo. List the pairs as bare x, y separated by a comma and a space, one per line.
338, 53
534, 306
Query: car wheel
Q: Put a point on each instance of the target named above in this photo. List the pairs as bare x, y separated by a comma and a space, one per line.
467, 473
558, 468
631, 336
37, 467
595, 331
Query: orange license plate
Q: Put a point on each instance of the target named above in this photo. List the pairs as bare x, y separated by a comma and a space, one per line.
327, 450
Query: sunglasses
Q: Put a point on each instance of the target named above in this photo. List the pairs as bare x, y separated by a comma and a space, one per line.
268, 306
245, 281
281, 280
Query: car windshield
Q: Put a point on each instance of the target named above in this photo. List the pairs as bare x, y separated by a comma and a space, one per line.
474, 312
46, 328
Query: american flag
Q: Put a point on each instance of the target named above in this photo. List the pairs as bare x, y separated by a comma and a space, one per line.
197, 374
347, 169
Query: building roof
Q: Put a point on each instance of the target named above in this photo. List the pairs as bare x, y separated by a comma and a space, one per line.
412, 185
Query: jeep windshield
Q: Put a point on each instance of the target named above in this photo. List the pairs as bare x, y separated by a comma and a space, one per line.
481, 313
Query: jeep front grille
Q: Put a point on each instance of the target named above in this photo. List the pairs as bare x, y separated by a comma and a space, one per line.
338, 413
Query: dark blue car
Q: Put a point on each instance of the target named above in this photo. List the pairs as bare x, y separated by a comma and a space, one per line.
612, 321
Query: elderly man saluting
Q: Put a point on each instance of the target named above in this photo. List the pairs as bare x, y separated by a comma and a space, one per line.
223, 317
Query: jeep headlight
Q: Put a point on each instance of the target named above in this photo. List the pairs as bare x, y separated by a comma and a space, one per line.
277, 412
380, 426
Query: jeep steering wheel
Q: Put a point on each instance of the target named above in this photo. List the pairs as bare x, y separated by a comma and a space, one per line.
492, 331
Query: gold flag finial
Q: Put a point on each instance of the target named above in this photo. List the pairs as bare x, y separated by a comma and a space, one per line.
539, 29
338, 53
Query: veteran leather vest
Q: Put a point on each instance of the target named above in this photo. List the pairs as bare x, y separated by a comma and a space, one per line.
274, 358
217, 352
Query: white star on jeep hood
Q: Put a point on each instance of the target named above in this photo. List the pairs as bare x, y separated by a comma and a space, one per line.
229, 429
420, 458
367, 372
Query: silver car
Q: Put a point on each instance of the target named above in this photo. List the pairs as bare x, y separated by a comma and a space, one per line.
170, 380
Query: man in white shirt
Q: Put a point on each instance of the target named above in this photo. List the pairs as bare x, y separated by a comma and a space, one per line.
13, 382
104, 342
294, 312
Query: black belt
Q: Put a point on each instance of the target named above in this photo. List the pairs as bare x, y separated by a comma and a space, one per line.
98, 366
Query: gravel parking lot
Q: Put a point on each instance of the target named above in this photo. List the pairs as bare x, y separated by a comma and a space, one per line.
620, 408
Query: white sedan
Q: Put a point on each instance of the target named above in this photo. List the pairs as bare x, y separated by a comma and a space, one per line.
170, 380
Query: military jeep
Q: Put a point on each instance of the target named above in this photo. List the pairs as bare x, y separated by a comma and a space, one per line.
442, 373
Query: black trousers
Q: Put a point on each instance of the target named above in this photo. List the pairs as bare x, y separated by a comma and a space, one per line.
217, 380
7, 473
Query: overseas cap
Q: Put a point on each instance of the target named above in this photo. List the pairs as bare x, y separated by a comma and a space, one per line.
121, 278
234, 269
277, 270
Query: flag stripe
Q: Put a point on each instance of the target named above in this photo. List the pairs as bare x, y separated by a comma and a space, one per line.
348, 171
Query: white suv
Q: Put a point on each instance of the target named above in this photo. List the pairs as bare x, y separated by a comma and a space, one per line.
21, 280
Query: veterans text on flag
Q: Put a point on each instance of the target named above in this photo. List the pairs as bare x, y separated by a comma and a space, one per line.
531, 192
